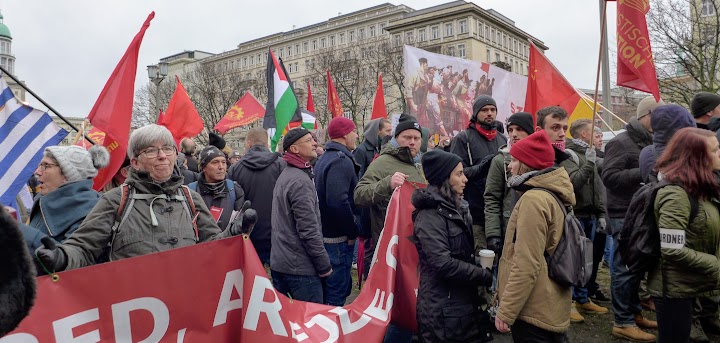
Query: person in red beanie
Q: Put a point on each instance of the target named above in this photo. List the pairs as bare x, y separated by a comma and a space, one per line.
524, 287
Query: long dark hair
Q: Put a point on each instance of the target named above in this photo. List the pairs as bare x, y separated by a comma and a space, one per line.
447, 192
686, 162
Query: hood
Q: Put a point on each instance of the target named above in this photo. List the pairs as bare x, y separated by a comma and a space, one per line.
145, 184
556, 180
423, 198
401, 153
259, 157
372, 128
666, 120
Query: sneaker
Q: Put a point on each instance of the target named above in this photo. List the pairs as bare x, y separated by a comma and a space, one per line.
633, 334
599, 296
711, 325
644, 322
575, 316
590, 307
697, 335
648, 305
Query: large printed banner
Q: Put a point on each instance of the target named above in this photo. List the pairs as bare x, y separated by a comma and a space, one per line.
220, 292
440, 89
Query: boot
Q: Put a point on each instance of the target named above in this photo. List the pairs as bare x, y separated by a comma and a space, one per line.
697, 335
575, 316
633, 334
590, 307
644, 322
648, 304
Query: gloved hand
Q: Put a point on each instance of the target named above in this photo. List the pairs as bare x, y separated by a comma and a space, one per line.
487, 277
50, 256
601, 225
245, 221
591, 154
495, 244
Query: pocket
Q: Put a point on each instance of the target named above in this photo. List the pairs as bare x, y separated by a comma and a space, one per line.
123, 242
458, 243
459, 322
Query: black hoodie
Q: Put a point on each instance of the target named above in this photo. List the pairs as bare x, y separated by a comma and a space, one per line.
257, 173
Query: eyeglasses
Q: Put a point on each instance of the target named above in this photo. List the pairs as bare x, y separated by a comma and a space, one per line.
45, 166
153, 152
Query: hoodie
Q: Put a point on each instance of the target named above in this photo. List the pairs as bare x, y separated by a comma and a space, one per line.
365, 152
665, 121
257, 173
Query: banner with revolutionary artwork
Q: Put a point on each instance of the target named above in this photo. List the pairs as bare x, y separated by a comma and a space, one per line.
440, 89
219, 292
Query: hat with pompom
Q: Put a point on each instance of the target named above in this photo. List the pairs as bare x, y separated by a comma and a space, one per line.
77, 163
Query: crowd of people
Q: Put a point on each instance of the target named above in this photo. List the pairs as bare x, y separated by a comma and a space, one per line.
307, 209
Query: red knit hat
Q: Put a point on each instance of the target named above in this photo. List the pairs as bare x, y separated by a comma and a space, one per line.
535, 151
340, 126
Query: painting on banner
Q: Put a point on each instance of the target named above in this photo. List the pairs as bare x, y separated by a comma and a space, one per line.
440, 89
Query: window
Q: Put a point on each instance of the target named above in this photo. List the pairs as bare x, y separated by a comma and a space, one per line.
487, 32
351, 36
451, 51
515, 45
463, 26
314, 44
435, 31
323, 43
342, 38
422, 36
289, 50
297, 49
517, 70
409, 37
332, 40
461, 50
297, 67
492, 36
232, 64
487, 55
511, 64
448, 29
398, 40
252, 60
382, 28
361, 33
282, 52
372, 31
497, 57
305, 47
481, 29
244, 62
294, 85
708, 8
499, 38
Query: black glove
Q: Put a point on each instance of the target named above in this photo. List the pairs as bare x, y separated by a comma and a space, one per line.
487, 277
245, 221
50, 256
495, 244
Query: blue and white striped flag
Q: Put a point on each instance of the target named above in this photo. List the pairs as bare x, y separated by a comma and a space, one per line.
24, 134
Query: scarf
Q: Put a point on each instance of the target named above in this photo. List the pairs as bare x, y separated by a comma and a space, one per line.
394, 143
559, 145
298, 162
216, 189
489, 132
581, 143
517, 180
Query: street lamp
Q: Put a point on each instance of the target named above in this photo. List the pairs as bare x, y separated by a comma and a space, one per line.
157, 73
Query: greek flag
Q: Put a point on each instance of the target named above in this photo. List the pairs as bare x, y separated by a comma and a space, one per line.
24, 134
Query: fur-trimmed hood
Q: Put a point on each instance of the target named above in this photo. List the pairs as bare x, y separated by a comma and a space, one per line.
430, 199
17, 276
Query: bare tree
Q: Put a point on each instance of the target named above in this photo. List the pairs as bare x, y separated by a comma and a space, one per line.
145, 111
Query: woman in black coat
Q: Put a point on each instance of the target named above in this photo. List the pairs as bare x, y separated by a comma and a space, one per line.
448, 303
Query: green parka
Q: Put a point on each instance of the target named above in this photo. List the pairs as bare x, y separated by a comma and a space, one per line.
498, 199
586, 182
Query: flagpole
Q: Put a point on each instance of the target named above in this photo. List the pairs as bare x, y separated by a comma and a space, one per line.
4, 71
600, 58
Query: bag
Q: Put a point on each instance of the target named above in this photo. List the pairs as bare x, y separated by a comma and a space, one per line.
639, 239
572, 262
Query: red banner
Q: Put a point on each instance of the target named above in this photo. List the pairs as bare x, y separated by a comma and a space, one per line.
193, 295
245, 111
636, 67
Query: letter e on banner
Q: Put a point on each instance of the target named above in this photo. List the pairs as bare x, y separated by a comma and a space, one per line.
123, 326
64, 327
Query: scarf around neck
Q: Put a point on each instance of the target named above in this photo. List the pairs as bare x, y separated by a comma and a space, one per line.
298, 162
486, 131
559, 145
581, 143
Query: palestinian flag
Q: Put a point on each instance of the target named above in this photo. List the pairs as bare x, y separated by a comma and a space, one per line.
282, 104
308, 121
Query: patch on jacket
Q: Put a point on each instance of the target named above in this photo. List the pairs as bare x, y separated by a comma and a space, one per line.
672, 238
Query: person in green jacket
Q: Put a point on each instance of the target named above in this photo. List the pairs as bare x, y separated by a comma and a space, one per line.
689, 266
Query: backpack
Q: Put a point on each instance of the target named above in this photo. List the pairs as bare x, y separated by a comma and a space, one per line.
121, 214
639, 239
572, 262
230, 186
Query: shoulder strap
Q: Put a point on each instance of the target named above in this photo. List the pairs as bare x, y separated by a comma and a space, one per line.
562, 206
193, 211
193, 185
231, 191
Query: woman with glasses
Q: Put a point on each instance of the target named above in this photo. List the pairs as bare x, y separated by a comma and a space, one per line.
65, 184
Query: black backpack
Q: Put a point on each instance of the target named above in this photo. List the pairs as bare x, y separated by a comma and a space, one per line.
639, 239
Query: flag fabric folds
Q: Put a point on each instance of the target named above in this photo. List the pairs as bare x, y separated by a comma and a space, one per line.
25, 132
245, 111
310, 103
548, 87
113, 109
282, 103
334, 105
635, 67
378, 109
181, 117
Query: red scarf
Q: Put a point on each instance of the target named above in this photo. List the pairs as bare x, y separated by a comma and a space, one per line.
296, 161
489, 134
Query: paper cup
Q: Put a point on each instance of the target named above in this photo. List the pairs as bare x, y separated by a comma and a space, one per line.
486, 258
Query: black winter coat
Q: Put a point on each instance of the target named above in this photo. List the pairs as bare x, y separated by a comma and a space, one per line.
447, 301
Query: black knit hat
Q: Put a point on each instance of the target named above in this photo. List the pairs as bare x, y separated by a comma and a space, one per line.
522, 119
703, 103
208, 154
217, 141
292, 136
438, 164
481, 102
407, 122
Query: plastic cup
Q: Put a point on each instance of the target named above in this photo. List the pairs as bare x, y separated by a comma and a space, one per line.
487, 257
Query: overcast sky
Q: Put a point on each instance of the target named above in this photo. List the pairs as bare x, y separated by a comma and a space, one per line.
66, 50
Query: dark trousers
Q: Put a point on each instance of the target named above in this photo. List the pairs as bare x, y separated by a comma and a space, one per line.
598, 252
299, 287
674, 318
338, 285
528, 333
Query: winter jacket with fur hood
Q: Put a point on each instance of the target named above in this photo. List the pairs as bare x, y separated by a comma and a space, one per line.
17, 276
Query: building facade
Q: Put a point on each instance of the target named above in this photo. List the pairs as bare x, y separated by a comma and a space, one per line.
7, 59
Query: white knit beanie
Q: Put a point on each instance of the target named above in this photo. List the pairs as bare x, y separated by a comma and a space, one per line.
77, 163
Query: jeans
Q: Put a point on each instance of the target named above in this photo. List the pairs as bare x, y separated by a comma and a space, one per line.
524, 332
299, 287
355, 250
609, 244
625, 284
674, 318
580, 294
395, 334
338, 285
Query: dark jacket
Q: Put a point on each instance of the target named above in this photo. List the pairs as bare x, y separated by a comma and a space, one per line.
586, 183
257, 173
297, 241
221, 200
336, 177
621, 167
192, 163
189, 176
447, 298
59, 213
665, 121
482, 152
364, 155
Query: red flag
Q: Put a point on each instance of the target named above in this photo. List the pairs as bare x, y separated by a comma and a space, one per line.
635, 67
245, 111
334, 105
181, 117
310, 104
113, 108
96, 135
379, 110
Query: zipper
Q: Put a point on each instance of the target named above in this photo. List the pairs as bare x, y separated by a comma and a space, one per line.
42, 214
